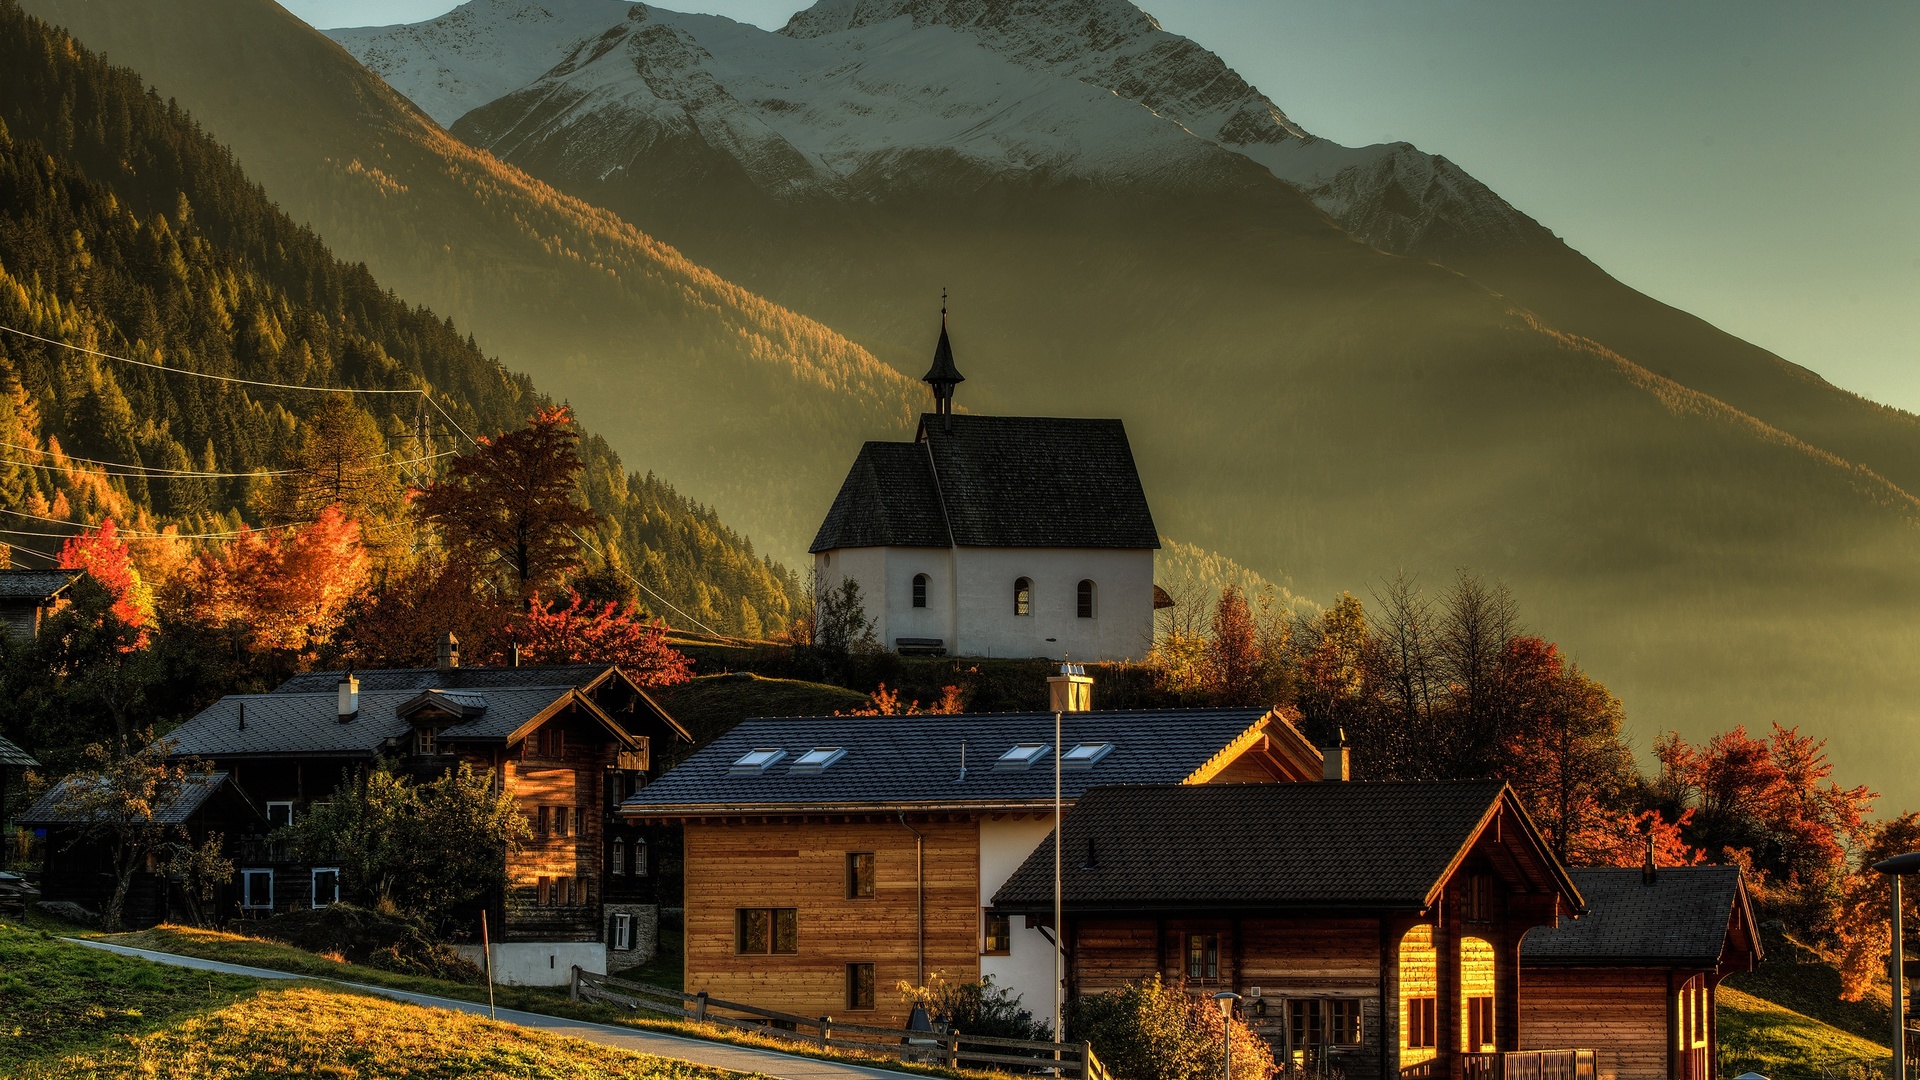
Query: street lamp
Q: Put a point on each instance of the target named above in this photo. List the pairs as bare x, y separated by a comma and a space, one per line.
1226, 998
1896, 868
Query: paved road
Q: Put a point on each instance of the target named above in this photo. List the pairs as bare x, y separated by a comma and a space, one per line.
699, 1051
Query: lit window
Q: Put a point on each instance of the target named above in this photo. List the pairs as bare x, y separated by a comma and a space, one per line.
919, 590
1084, 755
1023, 596
1085, 600
1203, 956
1021, 756
619, 857
756, 761
817, 759
997, 940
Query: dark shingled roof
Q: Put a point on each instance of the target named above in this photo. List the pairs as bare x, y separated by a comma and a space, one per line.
35, 585
11, 754
193, 794
1681, 919
309, 723
1268, 846
995, 481
460, 678
913, 760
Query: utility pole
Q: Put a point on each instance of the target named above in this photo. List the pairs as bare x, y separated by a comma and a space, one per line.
1059, 920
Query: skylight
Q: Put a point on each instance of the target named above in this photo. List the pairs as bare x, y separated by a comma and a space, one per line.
756, 761
1021, 756
816, 760
1084, 755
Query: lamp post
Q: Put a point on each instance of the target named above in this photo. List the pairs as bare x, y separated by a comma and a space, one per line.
1226, 998
1896, 868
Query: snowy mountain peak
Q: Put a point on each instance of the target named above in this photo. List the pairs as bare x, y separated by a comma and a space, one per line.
1099, 19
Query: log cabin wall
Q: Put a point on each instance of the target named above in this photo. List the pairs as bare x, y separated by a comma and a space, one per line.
557, 777
803, 866
1622, 1013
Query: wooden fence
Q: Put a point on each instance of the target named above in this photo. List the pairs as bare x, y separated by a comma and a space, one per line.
1073, 1061
1532, 1065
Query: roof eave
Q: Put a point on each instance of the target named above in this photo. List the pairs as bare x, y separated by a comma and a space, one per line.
878, 807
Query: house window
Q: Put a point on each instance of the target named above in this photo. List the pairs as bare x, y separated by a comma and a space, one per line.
543, 825
423, 742
256, 890
559, 821
639, 858
1423, 1023
1203, 956
766, 930
623, 932
919, 590
280, 814
1306, 1019
326, 886
860, 986
1479, 1023
547, 891
581, 894
1343, 1022
1023, 596
998, 938
859, 875
1085, 599
1479, 898
619, 857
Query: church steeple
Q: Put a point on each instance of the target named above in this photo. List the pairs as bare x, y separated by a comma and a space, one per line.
943, 376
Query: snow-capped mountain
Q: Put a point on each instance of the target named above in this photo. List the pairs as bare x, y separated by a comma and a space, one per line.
856, 98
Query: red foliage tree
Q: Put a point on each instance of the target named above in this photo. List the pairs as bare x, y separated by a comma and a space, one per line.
589, 633
102, 554
885, 702
288, 589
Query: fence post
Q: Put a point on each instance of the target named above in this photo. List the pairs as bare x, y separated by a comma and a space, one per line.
700, 1005
953, 1050
574, 990
1088, 1069
826, 1031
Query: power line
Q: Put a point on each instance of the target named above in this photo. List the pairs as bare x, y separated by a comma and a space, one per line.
207, 375
642, 585
129, 534
148, 472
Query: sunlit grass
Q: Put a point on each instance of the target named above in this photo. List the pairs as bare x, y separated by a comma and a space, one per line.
1759, 1036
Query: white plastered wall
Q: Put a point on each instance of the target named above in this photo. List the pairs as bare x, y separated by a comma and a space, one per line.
1027, 970
540, 963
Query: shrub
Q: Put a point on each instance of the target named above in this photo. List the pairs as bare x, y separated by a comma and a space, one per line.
977, 1008
390, 942
1151, 1031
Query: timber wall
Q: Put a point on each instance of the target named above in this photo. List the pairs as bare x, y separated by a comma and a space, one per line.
1619, 1012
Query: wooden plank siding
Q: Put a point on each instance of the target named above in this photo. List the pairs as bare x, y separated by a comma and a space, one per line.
574, 778
803, 865
1622, 1013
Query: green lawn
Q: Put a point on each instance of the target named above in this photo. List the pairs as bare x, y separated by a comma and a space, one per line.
1760, 1036
1803, 980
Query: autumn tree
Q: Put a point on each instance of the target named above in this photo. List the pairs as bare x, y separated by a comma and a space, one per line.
101, 553
286, 588
585, 632
1234, 663
885, 702
509, 506
401, 621
120, 803
341, 461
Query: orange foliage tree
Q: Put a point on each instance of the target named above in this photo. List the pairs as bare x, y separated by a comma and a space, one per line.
584, 632
885, 702
109, 560
290, 589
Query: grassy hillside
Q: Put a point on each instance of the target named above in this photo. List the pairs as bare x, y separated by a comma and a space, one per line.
1757, 1035
685, 372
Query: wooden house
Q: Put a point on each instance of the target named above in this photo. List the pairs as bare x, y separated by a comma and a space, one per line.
13, 760
27, 596
80, 871
1637, 975
1371, 927
828, 859
567, 741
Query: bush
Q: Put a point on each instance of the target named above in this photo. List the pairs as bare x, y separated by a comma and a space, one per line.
388, 942
977, 1008
1151, 1031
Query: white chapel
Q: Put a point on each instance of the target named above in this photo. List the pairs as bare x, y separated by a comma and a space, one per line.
1008, 536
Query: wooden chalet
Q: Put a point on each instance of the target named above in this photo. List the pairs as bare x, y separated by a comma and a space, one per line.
828, 859
1371, 927
1637, 975
12, 760
80, 871
27, 596
567, 741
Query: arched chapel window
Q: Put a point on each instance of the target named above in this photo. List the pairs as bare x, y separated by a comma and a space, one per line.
1086, 599
619, 856
1023, 596
919, 590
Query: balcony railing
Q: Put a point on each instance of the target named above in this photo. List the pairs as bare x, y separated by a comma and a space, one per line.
1529, 1065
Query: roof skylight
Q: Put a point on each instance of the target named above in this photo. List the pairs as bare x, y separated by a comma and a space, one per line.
756, 761
816, 760
1084, 755
1021, 756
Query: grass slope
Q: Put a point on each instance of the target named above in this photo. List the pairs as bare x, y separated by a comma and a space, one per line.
1800, 978
1757, 1035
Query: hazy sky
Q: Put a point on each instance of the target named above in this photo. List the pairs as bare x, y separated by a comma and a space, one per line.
1752, 162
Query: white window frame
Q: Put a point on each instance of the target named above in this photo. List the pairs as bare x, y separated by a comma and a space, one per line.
313, 895
1021, 756
757, 760
246, 888
288, 803
1085, 755
622, 932
619, 857
637, 854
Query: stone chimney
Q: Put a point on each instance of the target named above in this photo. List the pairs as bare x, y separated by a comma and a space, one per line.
1337, 765
449, 652
349, 698
1071, 690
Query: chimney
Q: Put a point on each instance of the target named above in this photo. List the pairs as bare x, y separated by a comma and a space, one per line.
1648, 871
1071, 690
349, 698
1337, 765
449, 652
243, 714
516, 654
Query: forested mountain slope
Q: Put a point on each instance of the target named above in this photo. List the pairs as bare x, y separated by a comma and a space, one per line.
124, 228
704, 381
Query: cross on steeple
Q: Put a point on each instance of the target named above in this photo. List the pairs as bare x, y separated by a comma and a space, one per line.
943, 376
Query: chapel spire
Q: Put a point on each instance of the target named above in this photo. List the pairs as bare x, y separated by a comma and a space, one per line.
943, 376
